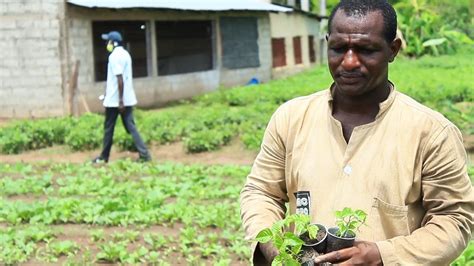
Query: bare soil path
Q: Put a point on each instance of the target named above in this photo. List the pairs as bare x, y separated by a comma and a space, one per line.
235, 153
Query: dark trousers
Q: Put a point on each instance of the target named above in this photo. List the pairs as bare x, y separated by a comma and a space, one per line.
111, 114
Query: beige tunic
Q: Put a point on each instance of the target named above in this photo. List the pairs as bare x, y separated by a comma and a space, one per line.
406, 170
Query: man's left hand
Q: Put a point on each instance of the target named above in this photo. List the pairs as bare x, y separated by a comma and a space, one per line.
121, 107
362, 253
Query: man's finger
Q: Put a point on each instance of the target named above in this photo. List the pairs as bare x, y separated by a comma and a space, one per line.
335, 256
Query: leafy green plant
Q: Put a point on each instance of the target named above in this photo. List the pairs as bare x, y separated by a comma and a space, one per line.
97, 235
348, 221
156, 241
208, 140
86, 134
112, 252
467, 257
429, 29
289, 244
54, 250
127, 236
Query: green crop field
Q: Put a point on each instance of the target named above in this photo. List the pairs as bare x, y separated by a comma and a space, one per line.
124, 212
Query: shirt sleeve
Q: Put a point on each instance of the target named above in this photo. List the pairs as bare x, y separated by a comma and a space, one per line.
448, 199
116, 64
263, 197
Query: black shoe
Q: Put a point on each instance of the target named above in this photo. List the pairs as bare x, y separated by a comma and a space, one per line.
143, 159
99, 160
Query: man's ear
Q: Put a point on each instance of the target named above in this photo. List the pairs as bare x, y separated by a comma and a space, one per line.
395, 48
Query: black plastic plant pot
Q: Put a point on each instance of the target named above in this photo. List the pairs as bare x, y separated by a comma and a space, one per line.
335, 242
321, 240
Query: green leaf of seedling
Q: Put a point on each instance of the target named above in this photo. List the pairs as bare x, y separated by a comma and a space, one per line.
278, 241
264, 236
278, 226
292, 239
346, 212
434, 42
296, 249
312, 231
299, 228
278, 260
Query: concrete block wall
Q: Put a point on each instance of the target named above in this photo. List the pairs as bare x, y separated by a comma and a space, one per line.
31, 74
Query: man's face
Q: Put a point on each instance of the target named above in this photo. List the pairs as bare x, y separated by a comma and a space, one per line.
358, 54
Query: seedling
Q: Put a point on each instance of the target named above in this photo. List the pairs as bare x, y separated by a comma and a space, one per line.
348, 221
288, 244
54, 250
97, 235
155, 240
127, 236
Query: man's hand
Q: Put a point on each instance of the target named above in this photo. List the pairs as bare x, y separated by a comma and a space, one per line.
121, 107
268, 251
362, 253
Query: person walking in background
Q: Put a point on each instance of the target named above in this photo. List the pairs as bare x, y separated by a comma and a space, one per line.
119, 98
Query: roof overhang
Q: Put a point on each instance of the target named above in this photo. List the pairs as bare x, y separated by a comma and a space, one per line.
184, 5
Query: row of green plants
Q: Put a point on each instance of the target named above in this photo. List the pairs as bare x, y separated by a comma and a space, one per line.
199, 203
210, 121
38, 243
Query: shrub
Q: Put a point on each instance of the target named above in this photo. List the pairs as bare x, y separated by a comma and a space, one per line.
32, 135
208, 140
87, 133
14, 141
428, 29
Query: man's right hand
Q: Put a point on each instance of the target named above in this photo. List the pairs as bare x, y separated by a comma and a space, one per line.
121, 107
268, 251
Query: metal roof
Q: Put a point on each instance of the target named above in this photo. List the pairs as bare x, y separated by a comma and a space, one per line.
192, 5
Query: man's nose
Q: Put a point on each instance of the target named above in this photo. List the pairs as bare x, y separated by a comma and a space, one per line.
350, 60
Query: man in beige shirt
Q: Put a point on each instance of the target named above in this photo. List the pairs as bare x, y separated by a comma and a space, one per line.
362, 144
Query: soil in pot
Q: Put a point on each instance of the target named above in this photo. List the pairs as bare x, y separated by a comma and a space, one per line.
307, 256
319, 243
335, 242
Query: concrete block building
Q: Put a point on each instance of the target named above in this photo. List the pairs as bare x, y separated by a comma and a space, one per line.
179, 49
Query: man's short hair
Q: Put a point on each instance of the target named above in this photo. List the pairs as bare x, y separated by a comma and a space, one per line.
362, 7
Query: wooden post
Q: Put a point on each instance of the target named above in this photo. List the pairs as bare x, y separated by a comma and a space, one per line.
73, 88
75, 92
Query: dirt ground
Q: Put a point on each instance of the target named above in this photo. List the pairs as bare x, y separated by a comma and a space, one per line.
235, 154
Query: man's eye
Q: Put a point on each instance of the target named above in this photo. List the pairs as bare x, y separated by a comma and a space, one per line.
365, 51
338, 50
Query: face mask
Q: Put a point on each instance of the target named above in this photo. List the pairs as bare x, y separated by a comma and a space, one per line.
110, 47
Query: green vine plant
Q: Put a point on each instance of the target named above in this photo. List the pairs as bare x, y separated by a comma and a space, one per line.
348, 221
289, 244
